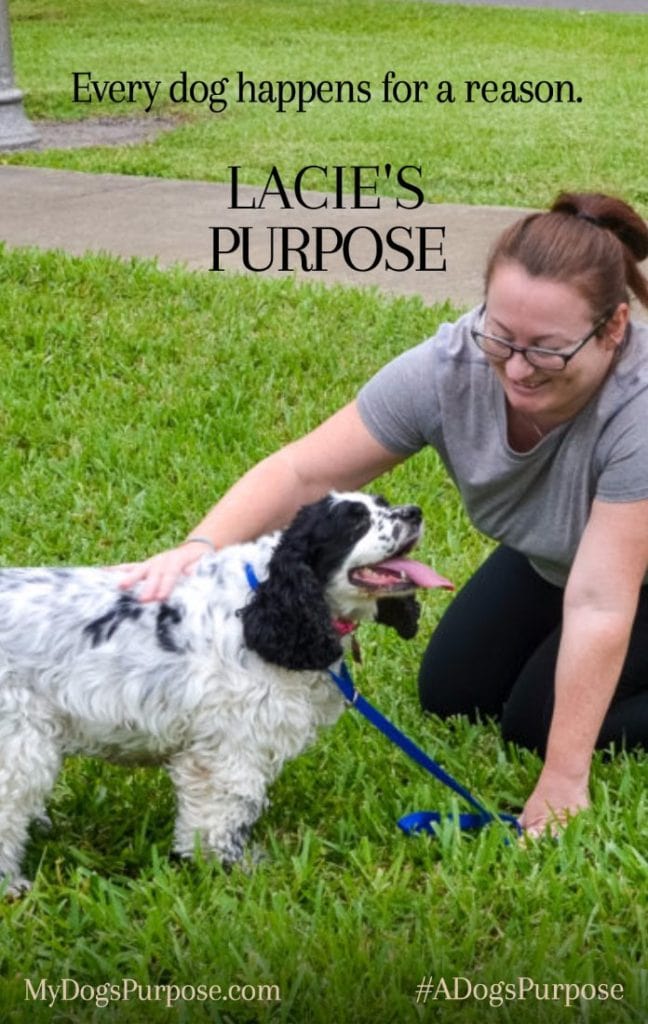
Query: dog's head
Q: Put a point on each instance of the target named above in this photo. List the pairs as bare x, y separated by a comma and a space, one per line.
342, 559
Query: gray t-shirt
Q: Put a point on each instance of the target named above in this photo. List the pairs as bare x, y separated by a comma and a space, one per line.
444, 393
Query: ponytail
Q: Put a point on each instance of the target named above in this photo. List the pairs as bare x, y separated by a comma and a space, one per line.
590, 240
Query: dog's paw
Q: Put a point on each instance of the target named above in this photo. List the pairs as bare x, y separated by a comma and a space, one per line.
254, 856
13, 888
247, 861
227, 847
230, 852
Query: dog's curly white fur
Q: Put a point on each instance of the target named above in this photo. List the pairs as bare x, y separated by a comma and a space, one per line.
219, 683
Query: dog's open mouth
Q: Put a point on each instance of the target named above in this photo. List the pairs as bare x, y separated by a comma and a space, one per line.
397, 574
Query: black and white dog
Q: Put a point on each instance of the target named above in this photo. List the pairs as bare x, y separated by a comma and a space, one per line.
222, 683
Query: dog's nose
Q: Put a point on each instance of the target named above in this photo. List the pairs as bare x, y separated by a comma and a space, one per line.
410, 513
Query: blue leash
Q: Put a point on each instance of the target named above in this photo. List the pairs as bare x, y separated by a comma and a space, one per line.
418, 821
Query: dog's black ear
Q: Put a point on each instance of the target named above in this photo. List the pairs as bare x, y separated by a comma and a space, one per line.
401, 613
288, 623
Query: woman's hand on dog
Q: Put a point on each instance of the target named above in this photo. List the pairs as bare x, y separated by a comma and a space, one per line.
156, 577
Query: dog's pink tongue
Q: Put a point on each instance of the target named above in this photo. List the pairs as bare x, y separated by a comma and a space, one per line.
419, 574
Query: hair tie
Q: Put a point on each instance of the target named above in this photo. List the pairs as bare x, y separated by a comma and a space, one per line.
589, 218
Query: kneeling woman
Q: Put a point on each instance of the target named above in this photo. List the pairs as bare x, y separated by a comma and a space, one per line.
537, 402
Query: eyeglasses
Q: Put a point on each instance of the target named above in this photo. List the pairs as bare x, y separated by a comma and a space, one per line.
551, 360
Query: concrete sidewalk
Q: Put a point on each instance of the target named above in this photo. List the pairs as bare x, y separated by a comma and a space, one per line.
172, 220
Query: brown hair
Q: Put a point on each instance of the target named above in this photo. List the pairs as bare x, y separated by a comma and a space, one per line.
589, 240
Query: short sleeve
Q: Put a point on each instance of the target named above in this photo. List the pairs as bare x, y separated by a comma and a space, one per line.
622, 454
399, 405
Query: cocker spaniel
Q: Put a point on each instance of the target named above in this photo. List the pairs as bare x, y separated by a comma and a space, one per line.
222, 683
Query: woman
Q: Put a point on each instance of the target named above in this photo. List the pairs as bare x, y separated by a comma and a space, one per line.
538, 405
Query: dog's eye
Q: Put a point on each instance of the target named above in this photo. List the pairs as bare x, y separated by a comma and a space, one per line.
381, 501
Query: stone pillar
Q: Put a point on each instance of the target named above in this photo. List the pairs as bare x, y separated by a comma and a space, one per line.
16, 130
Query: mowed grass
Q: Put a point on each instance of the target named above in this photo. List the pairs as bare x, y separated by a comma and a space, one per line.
130, 398
479, 152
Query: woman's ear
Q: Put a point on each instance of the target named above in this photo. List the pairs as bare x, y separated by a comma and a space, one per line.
288, 623
616, 327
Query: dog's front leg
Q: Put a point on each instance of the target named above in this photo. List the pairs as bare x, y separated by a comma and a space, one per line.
220, 795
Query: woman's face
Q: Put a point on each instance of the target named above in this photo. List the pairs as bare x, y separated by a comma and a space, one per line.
538, 311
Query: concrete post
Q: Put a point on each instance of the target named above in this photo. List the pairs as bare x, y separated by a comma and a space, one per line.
16, 130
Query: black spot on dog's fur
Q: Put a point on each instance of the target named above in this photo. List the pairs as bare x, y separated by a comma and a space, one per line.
102, 629
167, 618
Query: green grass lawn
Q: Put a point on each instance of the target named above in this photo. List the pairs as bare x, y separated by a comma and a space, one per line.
475, 153
129, 399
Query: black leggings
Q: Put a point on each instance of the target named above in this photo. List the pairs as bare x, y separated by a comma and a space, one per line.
494, 654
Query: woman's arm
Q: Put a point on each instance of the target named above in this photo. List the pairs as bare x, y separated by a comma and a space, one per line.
340, 454
599, 610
